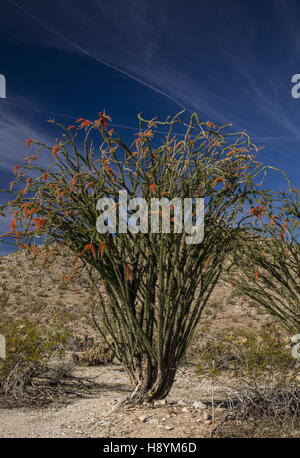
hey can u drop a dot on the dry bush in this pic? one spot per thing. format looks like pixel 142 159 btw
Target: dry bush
pixel 276 401
pixel 78 343
pixel 29 349
pixel 262 380
pixel 95 356
pixel 246 354
pixel 263 411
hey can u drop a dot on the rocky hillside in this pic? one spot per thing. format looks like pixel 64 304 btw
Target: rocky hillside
pixel 40 287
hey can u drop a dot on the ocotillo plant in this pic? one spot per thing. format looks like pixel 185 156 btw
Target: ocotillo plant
pixel 152 287
pixel 268 265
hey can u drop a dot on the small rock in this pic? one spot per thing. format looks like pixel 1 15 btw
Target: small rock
pixel 153 420
pixel 117 406
pixel 105 423
pixel 184 409
pixel 161 402
pixel 181 402
pixel 169 427
pixel 219 409
pixel 207 422
pixel 144 418
pixel 206 416
pixel 198 405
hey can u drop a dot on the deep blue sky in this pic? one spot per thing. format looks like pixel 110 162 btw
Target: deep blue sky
pixel 229 60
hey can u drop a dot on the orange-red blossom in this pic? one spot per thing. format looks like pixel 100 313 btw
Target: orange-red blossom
pixel 281 236
pixel 141 135
pixel 152 187
pixel 102 246
pixel 90 247
pixel 85 123
pixel 29 159
pixel 54 151
pixel 28 211
pixel 23 191
pixel 108 170
pixel 257 211
pixel 127 272
pixel 39 223
pixel 217 180
pixel 103 120
pixel 13 223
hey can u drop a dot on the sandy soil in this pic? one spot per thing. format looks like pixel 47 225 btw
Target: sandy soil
pixel 185 413
pixel 39 293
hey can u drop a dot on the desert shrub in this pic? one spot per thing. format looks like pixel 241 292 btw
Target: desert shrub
pixel 79 343
pixel 95 356
pixel 4 296
pixel 263 410
pixel 247 354
pixel 266 268
pixel 152 287
pixel 261 379
pixel 279 400
pixel 28 349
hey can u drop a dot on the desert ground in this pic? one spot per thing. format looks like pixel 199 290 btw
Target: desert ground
pixel 90 407
pixel 185 413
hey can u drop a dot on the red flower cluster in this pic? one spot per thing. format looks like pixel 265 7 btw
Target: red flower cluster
pixel 23 191
pixel 102 121
pixel 218 180
pixel 54 151
pixel 90 247
pixel 102 246
pixel 127 272
pixel 12 226
pixel 257 211
pixel 152 187
pixel 39 223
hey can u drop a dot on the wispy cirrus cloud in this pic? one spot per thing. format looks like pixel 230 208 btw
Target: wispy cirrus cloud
pixel 217 60
pixel 15 127
pixel 229 61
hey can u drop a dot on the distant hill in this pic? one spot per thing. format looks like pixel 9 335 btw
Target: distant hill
pixel 35 287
